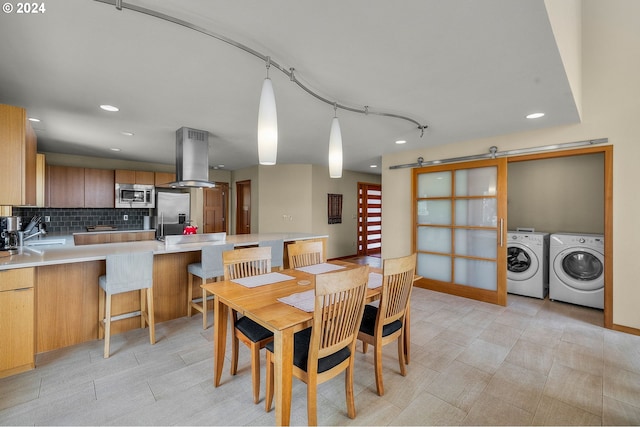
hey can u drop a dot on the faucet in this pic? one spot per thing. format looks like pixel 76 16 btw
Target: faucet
pixel 22 238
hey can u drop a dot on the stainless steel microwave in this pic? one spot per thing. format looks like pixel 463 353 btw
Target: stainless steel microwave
pixel 135 196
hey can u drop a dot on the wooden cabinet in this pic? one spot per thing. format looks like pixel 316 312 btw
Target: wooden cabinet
pixel 18 159
pixel 65 187
pixel 124 236
pixel 134 177
pixel 162 179
pixel 17 320
pixel 99 188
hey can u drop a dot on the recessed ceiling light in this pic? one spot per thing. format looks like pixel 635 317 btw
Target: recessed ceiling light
pixel 535 115
pixel 401 141
pixel 127 133
pixel 33 119
pixel 107 107
pixel 115 149
pixel 373 166
pixel 220 166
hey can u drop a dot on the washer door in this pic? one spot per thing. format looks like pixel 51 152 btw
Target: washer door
pixel 580 268
pixel 522 262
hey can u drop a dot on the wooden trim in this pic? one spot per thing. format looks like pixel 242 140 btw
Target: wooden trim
pixel 625 329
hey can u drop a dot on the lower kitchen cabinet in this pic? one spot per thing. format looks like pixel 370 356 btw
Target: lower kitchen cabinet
pixel 17 321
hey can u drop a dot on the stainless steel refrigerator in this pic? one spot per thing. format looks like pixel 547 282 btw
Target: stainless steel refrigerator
pixel 172 212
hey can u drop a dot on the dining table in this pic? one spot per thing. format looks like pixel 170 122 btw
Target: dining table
pixel 261 303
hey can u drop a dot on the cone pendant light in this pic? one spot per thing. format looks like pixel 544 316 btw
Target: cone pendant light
pixel 267 124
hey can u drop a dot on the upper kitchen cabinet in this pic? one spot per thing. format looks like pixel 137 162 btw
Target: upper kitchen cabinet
pixel 18 159
pixel 65 187
pixel 163 179
pixel 134 177
pixel 99 188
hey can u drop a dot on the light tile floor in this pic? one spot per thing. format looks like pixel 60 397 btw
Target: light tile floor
pixel 533 362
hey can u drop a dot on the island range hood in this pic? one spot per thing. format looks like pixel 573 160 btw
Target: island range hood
pixel 192 159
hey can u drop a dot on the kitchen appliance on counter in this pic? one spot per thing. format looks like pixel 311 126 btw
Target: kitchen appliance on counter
pixel 135 196
pixel 172 212
pixel 10 227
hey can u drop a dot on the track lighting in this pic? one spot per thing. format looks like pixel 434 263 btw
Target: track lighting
pixel 335 147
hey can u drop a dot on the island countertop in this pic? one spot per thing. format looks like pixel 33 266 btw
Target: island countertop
pixel 61 249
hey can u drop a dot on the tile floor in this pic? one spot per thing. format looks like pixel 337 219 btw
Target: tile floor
pixel 533 362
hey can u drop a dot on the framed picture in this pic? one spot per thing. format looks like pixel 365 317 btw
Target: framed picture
pixel 334 205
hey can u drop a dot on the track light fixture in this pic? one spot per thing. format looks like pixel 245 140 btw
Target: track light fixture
pixel 335 147
pixel 267 123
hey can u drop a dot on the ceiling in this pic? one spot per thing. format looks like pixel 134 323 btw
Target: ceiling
pixel 465 68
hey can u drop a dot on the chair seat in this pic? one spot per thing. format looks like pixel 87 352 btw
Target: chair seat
pixel 301 352
pixel 196 270
pixel 252 330
pixel 369 322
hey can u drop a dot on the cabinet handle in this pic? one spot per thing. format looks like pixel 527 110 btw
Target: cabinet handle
pixel 21 289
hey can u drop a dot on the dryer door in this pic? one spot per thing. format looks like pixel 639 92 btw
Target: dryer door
pixel 522 262
pixel 580 268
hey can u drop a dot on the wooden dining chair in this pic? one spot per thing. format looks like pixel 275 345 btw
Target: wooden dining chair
pixel 241 263
pixel 327 348
pixel 386 323
pixel 302 254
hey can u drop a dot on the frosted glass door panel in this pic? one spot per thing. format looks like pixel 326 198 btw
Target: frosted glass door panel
pixel 435 184
pixel 477 212
pixel 477 274
pixel 476 243
pixel 476 182
pixel 432 239
pixel 434 212
pixel 436 267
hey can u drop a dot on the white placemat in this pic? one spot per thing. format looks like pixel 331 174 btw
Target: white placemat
pixel 262 279
pixel 324 267
pixel 304 301
pixel 375 280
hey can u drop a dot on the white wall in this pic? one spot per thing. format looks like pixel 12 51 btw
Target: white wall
pixel 610 70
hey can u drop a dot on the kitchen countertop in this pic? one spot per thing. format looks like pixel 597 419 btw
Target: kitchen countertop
pixel 53 250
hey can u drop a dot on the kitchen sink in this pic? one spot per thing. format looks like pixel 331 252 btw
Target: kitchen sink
pixel 45 242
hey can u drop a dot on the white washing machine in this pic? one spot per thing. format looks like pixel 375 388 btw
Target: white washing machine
pixel 528 263
pixel 577 269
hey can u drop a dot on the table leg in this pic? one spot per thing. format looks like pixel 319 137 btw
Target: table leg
pixel 283 370
pixel 219 338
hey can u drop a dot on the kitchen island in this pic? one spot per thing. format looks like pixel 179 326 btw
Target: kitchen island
pixel 65 282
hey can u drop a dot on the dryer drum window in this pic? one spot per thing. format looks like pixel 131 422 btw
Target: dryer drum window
pixel 582 266
pixel 518 260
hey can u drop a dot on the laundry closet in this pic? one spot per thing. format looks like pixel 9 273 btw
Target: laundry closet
pixel 556 226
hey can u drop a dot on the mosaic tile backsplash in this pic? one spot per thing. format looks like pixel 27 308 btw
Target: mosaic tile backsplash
pixel 67 221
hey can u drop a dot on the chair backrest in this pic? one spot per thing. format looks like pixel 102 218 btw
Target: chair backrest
pixel 246 262
pixel 339 304
pixel 211 259
pixel 397 283
pixel 302 254
pixel 129 272
pixel 277 250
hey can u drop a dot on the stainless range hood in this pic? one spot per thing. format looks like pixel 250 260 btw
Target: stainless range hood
pixel 192 159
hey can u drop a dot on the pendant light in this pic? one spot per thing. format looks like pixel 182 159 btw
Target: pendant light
pixel 267 123
pixel 335 147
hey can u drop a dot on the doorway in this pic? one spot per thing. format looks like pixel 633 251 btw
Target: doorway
pixel 369 219
pixel 215 208
pixel 243 207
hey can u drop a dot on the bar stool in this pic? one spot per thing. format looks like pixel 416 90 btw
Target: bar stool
pixel 277 252
pixel 127 272
pixel 210 267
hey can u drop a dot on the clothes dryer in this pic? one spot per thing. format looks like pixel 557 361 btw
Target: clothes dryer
pixel 528 263
pixel 577 269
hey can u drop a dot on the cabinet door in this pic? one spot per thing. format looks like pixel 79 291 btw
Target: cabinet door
pixel 99 188
pixel 144 177
pixel 125 176
pixel 65 186
pixel 162 179
pixel 18 159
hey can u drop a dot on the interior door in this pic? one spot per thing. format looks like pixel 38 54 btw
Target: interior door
pixel 215 209
pixel 369 219
pixel 459 228
pixel 243 207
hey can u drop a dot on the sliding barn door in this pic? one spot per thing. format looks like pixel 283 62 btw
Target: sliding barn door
pixel 459 218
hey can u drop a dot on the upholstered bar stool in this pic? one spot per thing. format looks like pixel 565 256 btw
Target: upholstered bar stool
pixel 277 252
pixel 127 272
pixel 209 267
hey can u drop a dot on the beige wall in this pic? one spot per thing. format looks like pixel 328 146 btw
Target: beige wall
pixel 610 70
pixel 564 194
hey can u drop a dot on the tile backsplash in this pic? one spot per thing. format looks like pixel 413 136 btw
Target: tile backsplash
pixel 73 220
